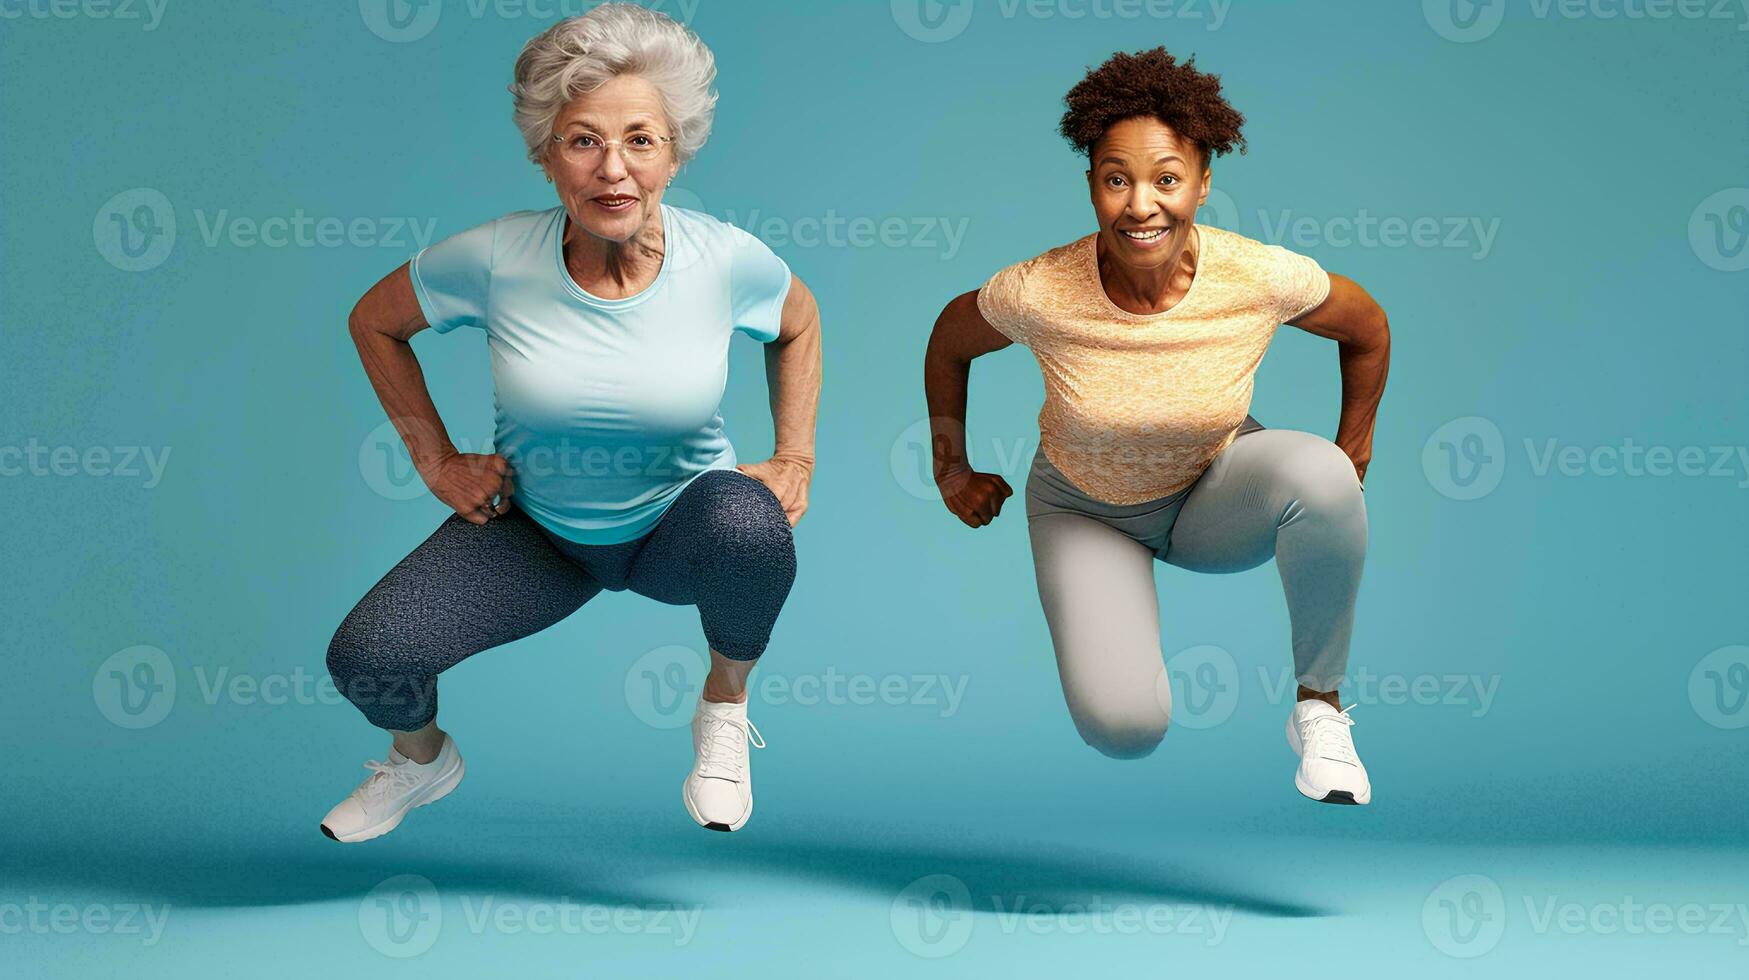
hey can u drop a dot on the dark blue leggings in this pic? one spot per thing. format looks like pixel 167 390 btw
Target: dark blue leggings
pixel 724 545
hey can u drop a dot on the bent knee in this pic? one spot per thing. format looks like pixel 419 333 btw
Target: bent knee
pixel 363 643
pixel 345 648
pixel 1323 477
pixel 746 527
pixel 1123 732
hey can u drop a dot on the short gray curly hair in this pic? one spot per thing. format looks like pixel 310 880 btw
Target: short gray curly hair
pixel 579 54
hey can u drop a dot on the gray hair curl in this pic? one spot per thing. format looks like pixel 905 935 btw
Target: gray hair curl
pixel 579 54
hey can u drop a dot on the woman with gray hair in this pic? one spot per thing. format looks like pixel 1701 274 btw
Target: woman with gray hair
pixel 608 320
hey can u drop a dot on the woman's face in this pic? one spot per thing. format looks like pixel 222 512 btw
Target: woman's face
pixel 1146 184
pixel 612 193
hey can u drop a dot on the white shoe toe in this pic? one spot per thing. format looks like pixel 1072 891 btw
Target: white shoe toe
pixel 716 801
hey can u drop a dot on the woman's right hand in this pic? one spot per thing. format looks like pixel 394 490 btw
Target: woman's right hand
pixel 975 498
pixel 467 482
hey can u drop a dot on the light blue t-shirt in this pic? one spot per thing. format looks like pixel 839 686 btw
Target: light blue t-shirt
pixel 605 408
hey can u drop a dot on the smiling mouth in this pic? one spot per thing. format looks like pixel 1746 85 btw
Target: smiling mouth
pixel 1144 234
pixel 615 202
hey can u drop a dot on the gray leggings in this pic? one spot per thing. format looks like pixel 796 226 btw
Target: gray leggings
pixel 1275 493
pixel 724 545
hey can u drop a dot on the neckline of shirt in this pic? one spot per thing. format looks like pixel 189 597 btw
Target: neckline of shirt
pixel 602 302
pixel 1110 306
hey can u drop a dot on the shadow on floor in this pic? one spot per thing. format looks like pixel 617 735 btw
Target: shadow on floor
pixel 600 861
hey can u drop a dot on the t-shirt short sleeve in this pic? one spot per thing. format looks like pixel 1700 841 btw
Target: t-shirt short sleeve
pixel 453 277
pixel 758 284
pixel 999 300
pixel 1301 284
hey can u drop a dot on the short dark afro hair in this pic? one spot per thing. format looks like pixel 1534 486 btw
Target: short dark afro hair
pixel 1153 83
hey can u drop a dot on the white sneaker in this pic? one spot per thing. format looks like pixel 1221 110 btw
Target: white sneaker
pixel 393 787
pixel 1330 771
pixel 719 791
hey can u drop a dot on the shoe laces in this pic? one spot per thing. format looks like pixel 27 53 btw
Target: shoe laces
pixel 1327 737
pixel 724 752
pixel 388 777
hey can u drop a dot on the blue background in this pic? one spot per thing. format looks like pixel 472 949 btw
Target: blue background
pixel 1607 767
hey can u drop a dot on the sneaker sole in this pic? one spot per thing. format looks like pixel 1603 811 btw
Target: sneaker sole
pixel 1341 796
pixel 440 788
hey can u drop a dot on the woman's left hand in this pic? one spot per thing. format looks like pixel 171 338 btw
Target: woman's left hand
pixel 787 477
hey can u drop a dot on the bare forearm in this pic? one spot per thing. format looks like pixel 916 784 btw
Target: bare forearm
pixel 399 382
pixel 945 382
pixel 1364 367
pixel 793 373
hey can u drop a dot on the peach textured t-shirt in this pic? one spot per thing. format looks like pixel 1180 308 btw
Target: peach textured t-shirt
pixel 1138 405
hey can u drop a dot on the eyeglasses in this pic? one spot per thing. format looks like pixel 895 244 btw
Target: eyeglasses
pixel 586 149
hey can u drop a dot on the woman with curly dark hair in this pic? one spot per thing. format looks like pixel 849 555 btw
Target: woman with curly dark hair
pixel 1148 333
